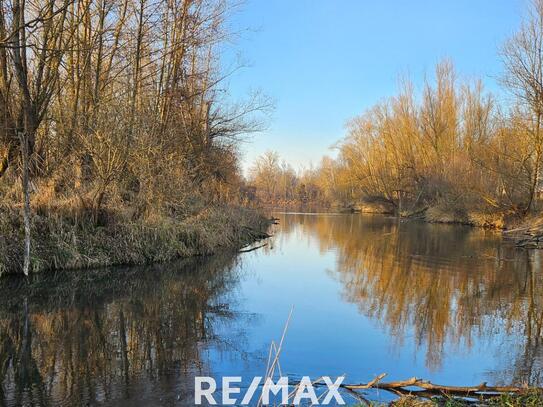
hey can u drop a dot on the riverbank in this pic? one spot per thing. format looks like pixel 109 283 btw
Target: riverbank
pixel 63 239
pixel 488 220
pixel 530 399
pixel 439 214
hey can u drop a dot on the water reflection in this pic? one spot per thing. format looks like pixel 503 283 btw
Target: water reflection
pixel 106 336
pixel 371 295
pixel 446 286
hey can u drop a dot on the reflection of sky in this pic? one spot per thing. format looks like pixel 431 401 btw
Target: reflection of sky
pixel 330 336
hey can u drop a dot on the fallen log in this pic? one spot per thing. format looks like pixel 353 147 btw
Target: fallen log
pixel 426 389
pixel 427 385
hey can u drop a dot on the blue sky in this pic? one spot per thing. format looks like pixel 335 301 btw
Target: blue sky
pixel 325 61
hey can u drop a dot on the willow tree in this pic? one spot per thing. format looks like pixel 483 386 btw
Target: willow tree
pixel 523 58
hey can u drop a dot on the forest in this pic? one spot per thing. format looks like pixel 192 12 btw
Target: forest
pixel 118 141
pixel 450 151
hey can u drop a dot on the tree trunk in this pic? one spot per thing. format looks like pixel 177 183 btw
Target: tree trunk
pixel 535 180
pixel 26 211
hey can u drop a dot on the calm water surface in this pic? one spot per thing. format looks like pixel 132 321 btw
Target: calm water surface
pixel 370 295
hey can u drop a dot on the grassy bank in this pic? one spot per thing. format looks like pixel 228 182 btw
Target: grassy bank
pixel 68 239
pixel 440 214
pixel 530 399
pixel 443 214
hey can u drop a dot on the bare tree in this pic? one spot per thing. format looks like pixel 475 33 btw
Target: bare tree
pixel 523 58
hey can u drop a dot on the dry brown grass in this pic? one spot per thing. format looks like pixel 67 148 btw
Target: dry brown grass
pixel 64 236
pixel 529 399
pixel 441 214
pixel 411 401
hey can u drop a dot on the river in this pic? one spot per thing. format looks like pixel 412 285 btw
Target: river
pixel 368 295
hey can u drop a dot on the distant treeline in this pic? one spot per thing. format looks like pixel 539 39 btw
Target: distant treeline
pixel 272 181
pixel 451 146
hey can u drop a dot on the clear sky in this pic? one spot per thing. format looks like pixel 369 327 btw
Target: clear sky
pixel 325 61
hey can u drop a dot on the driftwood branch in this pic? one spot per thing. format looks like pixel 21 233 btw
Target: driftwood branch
pixel 529 237
pixel 256 234
pixel 426 389
pixel 253 248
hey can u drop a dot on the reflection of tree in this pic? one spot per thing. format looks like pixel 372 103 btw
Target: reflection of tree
pixel 87 338
pixel 442 284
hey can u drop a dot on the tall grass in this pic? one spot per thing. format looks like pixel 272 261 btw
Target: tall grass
pixel 529 399
pixel 68 239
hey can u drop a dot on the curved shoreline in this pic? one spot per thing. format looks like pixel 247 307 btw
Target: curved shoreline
pixel 59 242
